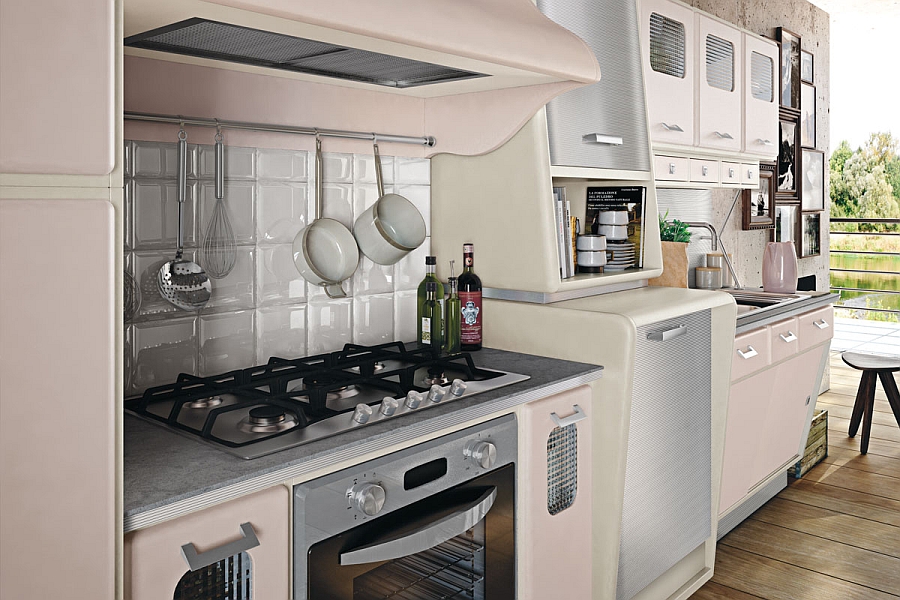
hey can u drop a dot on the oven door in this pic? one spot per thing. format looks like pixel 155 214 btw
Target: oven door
pixel 458 543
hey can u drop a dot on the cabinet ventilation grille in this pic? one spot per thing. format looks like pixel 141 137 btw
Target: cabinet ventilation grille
pixel 762 70
pixel 233 43
pixel 229 579
pixel 562 468
pixel 719 63
pixel 666 45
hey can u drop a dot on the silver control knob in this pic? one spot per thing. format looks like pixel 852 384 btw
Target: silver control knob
pixel 367 498
pixel 483 453
pixel 458 387
pixel 389 406
pixel 413 399
pixel 362 413
pixel 436 393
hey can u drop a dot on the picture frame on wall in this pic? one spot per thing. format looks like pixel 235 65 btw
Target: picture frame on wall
pixel 787 217
pixel 787 155
pixel 810 227
pixel 807 67
pixel 812 196
pixel 789 58
pixel 807 116
pixel 759 203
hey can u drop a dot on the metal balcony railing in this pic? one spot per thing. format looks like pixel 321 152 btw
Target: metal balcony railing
pixel 867 274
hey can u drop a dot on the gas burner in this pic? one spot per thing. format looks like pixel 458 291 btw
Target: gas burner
pixel 325 380
pixel 204 402
pixel 435 376
pixel 267 419
pixel 379 366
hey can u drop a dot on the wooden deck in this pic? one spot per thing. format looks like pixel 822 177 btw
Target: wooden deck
pixel 835 533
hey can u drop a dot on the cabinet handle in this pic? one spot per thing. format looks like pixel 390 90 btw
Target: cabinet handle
pixel 196 560
pixel 578 415
pixel 764 142
pixel 672 127
pixel 599 138
pixel 823 324
pixel 790 337
pixel 749 173
pixel 667 334
pixel 724 136
pixel 750 353
pixel 704 170
pixel 731 172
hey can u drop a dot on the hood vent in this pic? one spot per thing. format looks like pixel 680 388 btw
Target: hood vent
pixel 233 43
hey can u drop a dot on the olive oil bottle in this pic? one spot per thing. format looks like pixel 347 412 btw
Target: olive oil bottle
pixel 431 321
pixel 430 265
pixel 451 320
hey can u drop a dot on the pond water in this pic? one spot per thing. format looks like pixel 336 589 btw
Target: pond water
pixel 875 281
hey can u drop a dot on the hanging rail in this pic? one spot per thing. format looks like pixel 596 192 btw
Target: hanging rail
pixel 267 127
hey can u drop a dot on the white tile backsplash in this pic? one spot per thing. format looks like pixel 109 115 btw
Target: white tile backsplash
pixel 264 307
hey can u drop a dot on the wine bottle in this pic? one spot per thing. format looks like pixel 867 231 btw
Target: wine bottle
pixel 451 320
pixel 470 300
pixel 430 263
pixel 431 321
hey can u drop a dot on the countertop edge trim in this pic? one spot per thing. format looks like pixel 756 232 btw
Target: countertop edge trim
pixel 793 309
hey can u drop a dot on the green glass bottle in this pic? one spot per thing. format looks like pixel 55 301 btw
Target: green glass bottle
pixel 431 321
pixel 430 265
pixel 451 323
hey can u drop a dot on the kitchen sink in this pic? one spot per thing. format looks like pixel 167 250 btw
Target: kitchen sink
pixel 757 300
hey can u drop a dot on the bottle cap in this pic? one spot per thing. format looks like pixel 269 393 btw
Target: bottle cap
pixel 431 286
pixel 468 247
pixel 431 260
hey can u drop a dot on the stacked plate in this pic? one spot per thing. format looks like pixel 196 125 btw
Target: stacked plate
pixel 620 256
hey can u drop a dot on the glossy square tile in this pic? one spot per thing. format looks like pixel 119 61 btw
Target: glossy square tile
pixel 420 196
pixel 365 195
pixel 227 342
pixel 128 159
pixel 405 316
pixel 277 278
pixel 282 164
pixel 338 168
pixel 337 203
pixel 240 199
pixel 330 324
pixel 235 290
pixel 162 350
pixel 160 160
pixel 155 213
pixel 410 271
pixel 280 211
pixel 240 163
pixel 318 292
pixel 371 278
pixel 280 331
pixel 128 359
pixel 146 265
pixel 412 171
pixel 364 168
pixel 128 216
pixel 373 319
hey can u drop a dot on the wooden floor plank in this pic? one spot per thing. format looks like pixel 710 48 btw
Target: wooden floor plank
pixel 840 439
pixel 851 479
pixel 843 412
pixel 863 567
pixel 715 591
pixel 849 502
pixel 775 580
pixel 838 398
pixel 870 463
pixel 889 433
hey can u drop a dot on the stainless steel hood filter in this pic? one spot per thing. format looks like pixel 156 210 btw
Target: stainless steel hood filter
pixel 233 43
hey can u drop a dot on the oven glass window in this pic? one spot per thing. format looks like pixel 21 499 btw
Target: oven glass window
pixel 228 579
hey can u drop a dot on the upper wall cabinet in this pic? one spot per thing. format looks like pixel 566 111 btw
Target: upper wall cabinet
pixel 760 96
pixel 719 85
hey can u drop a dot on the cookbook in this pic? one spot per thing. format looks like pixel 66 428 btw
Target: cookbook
pixel 630 200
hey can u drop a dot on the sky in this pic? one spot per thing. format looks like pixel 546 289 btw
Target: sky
pixel 865 68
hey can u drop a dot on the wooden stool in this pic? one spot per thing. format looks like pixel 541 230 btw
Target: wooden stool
pixel 872 366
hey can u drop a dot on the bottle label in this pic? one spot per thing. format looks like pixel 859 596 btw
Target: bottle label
pixel 470 312
pixel 426 330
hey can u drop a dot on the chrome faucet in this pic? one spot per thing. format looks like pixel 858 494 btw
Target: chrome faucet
pixel 716 242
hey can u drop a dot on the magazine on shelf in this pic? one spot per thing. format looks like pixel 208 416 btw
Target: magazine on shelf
pixel 560 235
pixel 570 236
pixel 630 199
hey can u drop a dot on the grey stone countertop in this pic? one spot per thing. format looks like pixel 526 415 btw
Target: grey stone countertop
pixel 167 474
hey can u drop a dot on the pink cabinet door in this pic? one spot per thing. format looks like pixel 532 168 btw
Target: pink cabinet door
pixel 156 559
pixel 57 86
pixel 58 399
pixel 760 97
pixel 719 85
pixel 554 487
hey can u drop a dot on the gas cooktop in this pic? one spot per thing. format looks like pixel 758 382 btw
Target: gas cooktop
pixel 288 402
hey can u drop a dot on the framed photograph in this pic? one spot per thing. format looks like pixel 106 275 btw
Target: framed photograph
pixel 789 57
pixel 787 156
pixel 786 221
pixel 811 224
pixel 807 116
pixel 759 204
pixel 812 196
pixel 806 67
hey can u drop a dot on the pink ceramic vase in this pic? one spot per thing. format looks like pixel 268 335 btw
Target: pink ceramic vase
pixel 779 268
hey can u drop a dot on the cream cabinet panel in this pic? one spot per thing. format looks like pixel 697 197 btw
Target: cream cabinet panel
pixel 731 172
pixel 667 44
pixel 671 168
pixel 760 97
pixel 719 85
pixel 706 171
pixel 750 174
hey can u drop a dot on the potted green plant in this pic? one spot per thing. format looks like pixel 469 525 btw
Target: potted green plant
pixel 674 237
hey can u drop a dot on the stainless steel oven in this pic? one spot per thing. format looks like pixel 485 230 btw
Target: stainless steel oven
pixel 433 521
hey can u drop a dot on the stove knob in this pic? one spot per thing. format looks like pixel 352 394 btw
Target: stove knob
pixel 367 498
pixel 362 413
pixel 436 393
pixel 413 399
pixel 483 453
pixel 389 406
pixel 458 387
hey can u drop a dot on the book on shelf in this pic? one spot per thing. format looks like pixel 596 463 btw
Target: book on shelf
pixel 565 236
pixel 570 239
pixel 630 199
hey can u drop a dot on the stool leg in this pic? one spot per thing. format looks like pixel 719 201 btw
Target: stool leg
pixel 866 382
pixel 867 417
pixel 890 390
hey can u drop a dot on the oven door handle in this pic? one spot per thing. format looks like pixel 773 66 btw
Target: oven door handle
pixel 198 560
pixel 426 537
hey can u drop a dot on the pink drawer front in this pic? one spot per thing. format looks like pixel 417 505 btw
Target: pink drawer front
pixel 816 327
pixel 751 353
pixel 784 339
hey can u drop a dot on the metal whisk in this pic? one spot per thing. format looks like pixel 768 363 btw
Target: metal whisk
pixel 218 252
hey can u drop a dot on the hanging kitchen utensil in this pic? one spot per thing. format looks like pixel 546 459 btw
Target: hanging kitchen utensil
pixel 325 252
pixel 183 283
pixel 131 300
pixel 392 227
pixel 218 251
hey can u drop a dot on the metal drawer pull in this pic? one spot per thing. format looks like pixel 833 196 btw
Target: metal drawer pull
pixel 704 170
pixel 671 168
pixel 578 415
pixel 672 127
pixel 749 173
pixel 426 537
pixel 599 138
pixel 731 172
pixel 667 334
pixel 790 337
pixel 750 353
pixel 724 136
pixel 764 142
pixel 823 324
pixel 196 560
